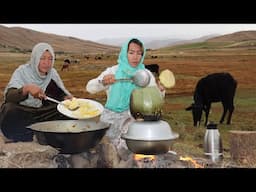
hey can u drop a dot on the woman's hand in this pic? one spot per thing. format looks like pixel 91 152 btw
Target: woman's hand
pixel 33 90
pixel 108 79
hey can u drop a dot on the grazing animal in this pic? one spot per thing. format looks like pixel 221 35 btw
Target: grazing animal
pixel 216 87
pixel 65 64
pixel 154 68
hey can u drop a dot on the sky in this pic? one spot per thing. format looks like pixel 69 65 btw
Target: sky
pixel 96 32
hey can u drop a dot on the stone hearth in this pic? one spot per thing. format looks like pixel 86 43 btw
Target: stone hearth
pixel 104 155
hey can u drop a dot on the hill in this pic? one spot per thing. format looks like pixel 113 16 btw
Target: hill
pixel 238 40
pixel 235 37
pixel 155 42
pixel 17 39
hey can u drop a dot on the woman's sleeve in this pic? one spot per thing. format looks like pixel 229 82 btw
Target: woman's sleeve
pixel 95 85
pixel 14 95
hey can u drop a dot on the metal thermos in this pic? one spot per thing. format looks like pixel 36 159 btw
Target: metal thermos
pixel 212 143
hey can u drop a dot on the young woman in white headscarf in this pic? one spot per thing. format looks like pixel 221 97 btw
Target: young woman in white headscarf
pixel 117 112
pixel 24 102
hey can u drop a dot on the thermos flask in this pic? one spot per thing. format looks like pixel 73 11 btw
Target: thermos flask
pixel 212 143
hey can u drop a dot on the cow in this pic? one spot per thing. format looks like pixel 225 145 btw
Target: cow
pixel 216 87
pixel 154 68
pixel 65 64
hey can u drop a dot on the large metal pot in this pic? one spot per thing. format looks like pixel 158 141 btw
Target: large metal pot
pixel 70 136
pixel 149 137
pixel 148 147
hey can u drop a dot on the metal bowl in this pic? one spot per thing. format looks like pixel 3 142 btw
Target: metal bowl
pixel 141 78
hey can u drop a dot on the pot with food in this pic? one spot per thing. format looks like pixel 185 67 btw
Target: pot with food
pixel 70 136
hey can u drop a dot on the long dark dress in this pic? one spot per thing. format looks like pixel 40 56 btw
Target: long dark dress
pixel 15 117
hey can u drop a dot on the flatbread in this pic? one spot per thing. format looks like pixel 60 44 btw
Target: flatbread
pixel 167 78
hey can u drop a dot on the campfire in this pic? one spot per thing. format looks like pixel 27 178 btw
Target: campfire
pixel 190 159
pixel 161 161
pixel 145 161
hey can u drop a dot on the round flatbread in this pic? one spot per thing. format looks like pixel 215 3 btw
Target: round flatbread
pixel 167 78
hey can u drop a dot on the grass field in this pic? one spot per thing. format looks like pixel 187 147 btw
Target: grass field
pixel 188 66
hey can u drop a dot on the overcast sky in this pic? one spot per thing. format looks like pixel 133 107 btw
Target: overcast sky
pixel 96 32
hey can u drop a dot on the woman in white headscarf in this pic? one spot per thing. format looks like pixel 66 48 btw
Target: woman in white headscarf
pixel 23 95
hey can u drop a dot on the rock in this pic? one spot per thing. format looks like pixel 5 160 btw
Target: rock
pixel 26 155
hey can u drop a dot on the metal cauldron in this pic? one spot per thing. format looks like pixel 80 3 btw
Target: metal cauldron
pixel 149 137
pixel 70 136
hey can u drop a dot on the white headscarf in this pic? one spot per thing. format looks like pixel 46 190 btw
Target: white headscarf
pixel 29 73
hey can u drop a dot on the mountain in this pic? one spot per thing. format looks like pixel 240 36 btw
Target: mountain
pixel 235 37
pixel 120 40
pixel 22 39
pixel 240 40
pixel 149 42
pixel 154 42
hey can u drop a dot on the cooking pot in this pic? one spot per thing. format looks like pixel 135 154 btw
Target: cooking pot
pixel 70 136
pixel 149 137
pixel 146 103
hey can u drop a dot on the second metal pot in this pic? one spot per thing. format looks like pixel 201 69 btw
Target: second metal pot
pixel 148 147
pixel 149 137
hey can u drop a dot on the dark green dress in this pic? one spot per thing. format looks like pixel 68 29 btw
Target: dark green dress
pixel 15 117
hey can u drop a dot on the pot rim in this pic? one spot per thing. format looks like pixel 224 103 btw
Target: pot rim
pixel 67 132
pixel 39 126
pixel 127 137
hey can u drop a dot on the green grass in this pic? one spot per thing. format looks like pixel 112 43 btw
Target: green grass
pixel 191 138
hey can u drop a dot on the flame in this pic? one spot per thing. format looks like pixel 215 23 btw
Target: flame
pixel 138 157
pixel 196 165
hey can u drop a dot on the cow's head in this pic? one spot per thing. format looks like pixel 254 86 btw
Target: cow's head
pixel 197 110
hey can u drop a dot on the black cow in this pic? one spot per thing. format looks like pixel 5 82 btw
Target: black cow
pixel 154 68
pixel 216 87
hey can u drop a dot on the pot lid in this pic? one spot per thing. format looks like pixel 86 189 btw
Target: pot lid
pixel 150 131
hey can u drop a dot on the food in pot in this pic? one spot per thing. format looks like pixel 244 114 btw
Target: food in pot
pixel 166 78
